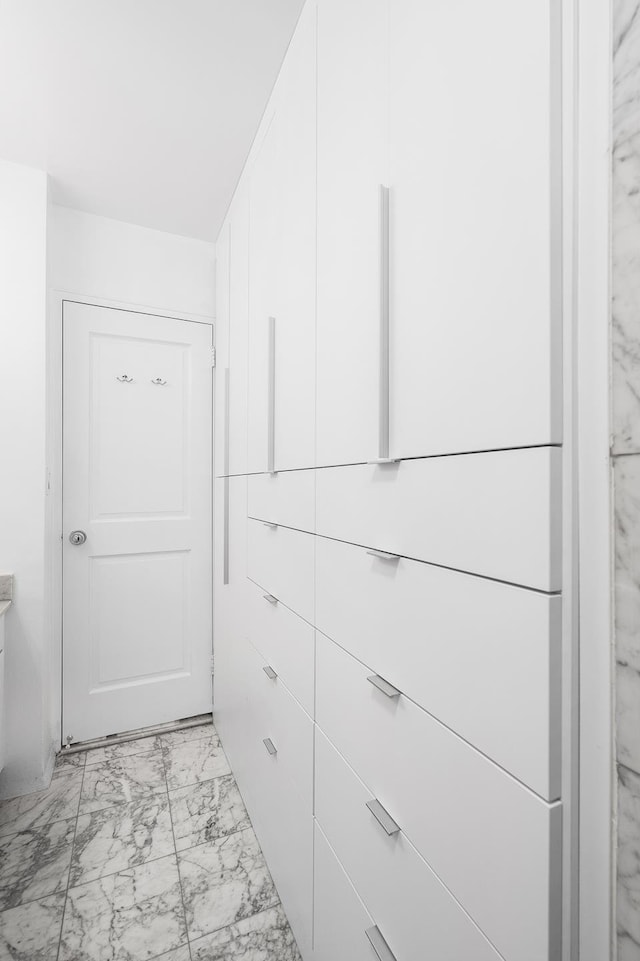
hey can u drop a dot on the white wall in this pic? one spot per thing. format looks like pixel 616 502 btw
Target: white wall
pixel 23 227
pixel 134 265
pixel 106 261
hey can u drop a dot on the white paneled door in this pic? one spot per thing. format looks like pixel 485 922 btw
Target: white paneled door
pixel 138 485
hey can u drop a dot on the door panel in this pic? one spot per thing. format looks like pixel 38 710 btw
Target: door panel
pixel 475 320
pixel 352 163
pixel 137 480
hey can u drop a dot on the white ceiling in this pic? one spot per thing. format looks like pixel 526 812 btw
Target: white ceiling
pixel 141 110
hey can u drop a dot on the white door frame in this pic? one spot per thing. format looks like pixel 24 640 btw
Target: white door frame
pixel 53 481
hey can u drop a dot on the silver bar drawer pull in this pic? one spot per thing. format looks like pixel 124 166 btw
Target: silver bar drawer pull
pixel 271 396
pixel 384 686
pixel 383 817
pixel 270 524
pixel 270 746
pixel 383 555
pixel 379 945
pixel 269 671
pixel 270 598
pixel 383 435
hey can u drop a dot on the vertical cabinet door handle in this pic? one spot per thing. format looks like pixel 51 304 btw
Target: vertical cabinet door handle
pixel 270 746
pixel 383 399
pixel 271 397
pixel 384 686
pixel 269 671
pixel 383 817
pixel 225 531
pixel 379 945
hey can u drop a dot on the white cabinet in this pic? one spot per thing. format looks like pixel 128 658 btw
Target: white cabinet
pixel 236 388
pixel 287 498
pixel 352 164
pixel 416 914
pixel 282 255
pixel 475 296
pixel 281 562
pixel 477 827
pixel 497 514
pixel 482 657
pixel 295 317
pixel 221 431
pixel 263 287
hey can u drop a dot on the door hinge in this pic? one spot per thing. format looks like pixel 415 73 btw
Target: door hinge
pixel 213 357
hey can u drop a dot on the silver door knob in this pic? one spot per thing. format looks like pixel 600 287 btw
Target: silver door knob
pixel 77 537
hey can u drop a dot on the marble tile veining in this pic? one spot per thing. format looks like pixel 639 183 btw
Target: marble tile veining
pixel 132 916
pixel 35 863
pixel 58 803
pixel 262 937
pixel 31 932
pixel 626 228
pixel 112 752
pixel 188 734
pixel 193 762
pixel 223 882
pixel 628 886
pixel 6 587
pixel 134 870
pixel 121 780
pixel 207 810
pixel 121 837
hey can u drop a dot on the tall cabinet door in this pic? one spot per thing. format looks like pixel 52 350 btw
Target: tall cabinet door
pixel 264 196
pixel 295 317
pixel 238 331
pixel 474 175
pixel 221 431
pixel 352 166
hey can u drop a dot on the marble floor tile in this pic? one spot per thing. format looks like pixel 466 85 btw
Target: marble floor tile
pixel 58 803
pixel 131 916
pixel 224 882
pixel 65 761
pixel 188 734
pixel 121 837
pixel 141 745
pixel 31 932
pixel 208 810
pixel 193 762
pixel 35 863
pixel 122 780
pixel 180 954
pixel 262 937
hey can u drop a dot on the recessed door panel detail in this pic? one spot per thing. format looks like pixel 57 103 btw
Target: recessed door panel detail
pixel 143 634
pixel 139 429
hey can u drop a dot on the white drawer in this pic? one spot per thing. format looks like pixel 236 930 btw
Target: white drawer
pixel 287 498
pixel 483 657
pixel 281 561
pixel 281 719
pixel 478 828
pixel 286 642
pixel 340 919
pixel 495 514
pixel 418 917
pixel 277 790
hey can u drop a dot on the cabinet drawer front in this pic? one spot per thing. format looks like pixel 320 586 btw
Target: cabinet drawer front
pixel 286 642
pixel 481 656
pixel 340 919
pixel 287 498
pixel 289 729
pixel 477 827
pixel 414 911
pixel 281 561
pixel 494 514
